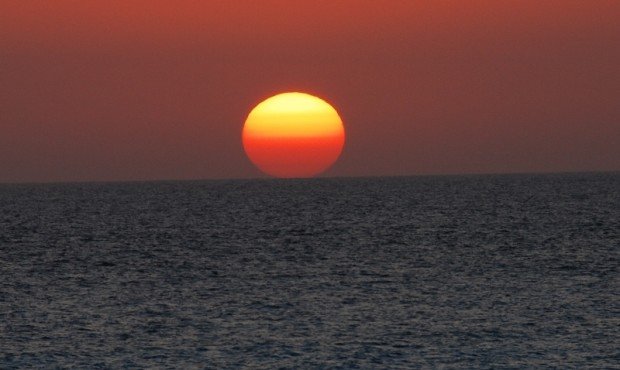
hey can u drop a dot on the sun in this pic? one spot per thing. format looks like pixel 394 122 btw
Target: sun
pixel 293 134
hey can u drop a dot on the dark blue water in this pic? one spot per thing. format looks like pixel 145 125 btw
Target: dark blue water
pixel 471 271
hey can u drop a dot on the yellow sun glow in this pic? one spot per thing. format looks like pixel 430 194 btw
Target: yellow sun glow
pixel 293 115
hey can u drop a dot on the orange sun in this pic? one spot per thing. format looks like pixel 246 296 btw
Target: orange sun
pixel 293 135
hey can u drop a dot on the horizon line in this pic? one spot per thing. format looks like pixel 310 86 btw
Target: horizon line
pixel 269 178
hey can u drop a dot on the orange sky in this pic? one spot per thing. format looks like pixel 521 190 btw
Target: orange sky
pixel 127 90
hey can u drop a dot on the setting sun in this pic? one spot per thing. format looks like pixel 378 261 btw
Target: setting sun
pixel 293 135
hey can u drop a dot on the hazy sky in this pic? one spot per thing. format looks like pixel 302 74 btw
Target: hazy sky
pixel 127 90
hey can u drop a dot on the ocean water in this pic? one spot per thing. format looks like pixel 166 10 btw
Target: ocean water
pixel 513 271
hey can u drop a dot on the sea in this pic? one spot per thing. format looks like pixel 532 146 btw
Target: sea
pixel 477 271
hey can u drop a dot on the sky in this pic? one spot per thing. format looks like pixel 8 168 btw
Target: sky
pixel 146 90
